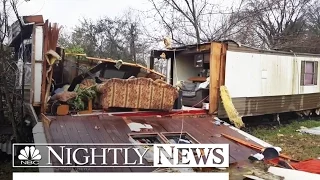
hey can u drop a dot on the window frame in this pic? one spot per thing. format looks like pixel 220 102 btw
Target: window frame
pixel 190 137
pixel 163 138
pixel 146 135
pixel 314 73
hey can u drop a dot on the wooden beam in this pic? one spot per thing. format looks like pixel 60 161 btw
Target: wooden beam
pixel 127 64
pixel 223 64
pixel 204 47
pixel 44 67
pixel 215 67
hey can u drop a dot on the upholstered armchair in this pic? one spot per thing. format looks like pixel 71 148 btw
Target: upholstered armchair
pixel 138 93
pixel 192 94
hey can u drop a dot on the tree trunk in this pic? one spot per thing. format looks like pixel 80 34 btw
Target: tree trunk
pixel 197 34
pixel 132 43
pixel 2 117
pixel 196 28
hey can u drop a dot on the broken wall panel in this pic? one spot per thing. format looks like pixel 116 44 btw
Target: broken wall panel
pixel 37 64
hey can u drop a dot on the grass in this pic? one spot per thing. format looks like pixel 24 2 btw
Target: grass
pixel 299 146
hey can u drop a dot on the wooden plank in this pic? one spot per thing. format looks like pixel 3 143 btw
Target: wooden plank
pixel 116 138
pixel 170 127
pixel 46 126
pixel 72 132
pixel 56 132
pixel 238 152
pixel 85 136
pixel 82 130
pixel 124 130
pixel 103 136
pixel 205 131
pixel 71 129
pixel 223 64
pixel 212 134
pixel 95 134
pixel 57 137
pixel 198 132
pixel 203 136
pixel 127 64
pixel 215 60
pixel 64 131
pixel 197 79
pixel 66 137
pixel 204 47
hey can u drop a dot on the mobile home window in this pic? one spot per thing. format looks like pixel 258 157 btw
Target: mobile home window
pixel 309 73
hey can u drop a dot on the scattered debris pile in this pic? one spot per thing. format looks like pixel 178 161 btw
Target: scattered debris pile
pixel 281 164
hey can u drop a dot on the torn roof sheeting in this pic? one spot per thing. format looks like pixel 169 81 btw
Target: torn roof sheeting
pixel 27 22
pixel 112 129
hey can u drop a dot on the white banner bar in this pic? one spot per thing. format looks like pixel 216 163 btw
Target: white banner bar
pixel 86 176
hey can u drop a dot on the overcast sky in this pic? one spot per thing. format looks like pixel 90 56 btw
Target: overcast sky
pixel 68 12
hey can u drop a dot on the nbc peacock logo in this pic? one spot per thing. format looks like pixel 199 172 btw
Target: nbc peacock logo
pixel 29 156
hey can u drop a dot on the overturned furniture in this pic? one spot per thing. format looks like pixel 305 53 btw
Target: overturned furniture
pixel 137 93
pixel 193 94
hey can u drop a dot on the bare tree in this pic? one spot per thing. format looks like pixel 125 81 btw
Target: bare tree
pixel 311 42
pixel 200 20
pixel 314 18
pixel 5 90
pixel 3 33
pixel 275 22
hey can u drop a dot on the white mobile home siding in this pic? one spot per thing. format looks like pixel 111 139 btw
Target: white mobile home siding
pixel 37 60
pixel 256 74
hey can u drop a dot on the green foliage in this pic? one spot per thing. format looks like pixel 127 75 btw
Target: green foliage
pixel 75 49
pixel 83 95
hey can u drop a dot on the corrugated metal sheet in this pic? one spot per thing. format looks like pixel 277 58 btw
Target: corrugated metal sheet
pixel 253 106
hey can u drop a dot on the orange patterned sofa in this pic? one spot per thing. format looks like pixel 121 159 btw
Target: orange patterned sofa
pixel 138 93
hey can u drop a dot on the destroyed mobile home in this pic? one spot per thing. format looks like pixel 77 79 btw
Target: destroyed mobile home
pixel 71 98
